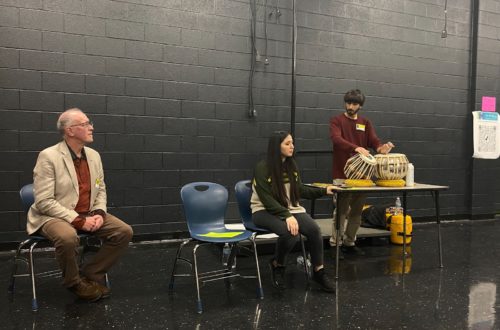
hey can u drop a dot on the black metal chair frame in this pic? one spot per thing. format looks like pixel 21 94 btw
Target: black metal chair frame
pixel 28 247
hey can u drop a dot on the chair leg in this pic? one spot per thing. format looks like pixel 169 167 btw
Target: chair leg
pixel 34 302
pixel 304 255
pixel 232 256
pixel 12 285
pixel 174 268
pixel 260 291
pixel 198 301
pixel 107 283
pixel 86 247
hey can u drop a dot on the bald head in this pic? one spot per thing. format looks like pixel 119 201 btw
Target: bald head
pixel 66 119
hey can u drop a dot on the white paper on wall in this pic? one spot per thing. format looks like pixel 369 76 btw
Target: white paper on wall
pixel 486 135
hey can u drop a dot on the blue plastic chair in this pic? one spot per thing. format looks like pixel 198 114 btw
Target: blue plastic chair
pixel 27 198
pixel 243 190
pixel 205 206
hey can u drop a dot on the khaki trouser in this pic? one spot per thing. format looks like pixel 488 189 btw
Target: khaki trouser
pixel 351 206
pixel 114 234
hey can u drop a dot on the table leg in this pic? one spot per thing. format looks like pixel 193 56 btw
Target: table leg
pixel 337 228
pixel 404 233
pixel 404 222
pixel 436 202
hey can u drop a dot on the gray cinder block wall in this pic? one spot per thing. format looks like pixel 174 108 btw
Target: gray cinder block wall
pixel 166 84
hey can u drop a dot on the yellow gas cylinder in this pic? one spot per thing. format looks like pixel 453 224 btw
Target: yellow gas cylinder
pixel 395 223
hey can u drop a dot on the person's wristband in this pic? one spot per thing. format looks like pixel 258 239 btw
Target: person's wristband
pixel 99 212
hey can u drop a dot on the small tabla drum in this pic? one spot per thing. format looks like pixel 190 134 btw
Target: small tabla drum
pixel 391 166
pixel 360 167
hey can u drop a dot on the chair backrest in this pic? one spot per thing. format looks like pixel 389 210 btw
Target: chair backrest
pixel 205 206
pixel 243 190
pixel 27 196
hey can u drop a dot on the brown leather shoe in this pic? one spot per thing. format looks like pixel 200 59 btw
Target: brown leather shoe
pixel 86 291
pixel 105 291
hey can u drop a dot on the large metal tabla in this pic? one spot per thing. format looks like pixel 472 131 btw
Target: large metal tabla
pixel 360 167
pixel 391 166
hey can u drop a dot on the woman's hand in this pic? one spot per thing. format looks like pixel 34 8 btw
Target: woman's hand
pixel 292 225
pixel 330 190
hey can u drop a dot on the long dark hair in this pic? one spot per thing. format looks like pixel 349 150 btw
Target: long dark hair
pixel 276 168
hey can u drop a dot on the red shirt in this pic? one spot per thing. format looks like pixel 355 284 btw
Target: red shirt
pixel 347 134
pixel 83 175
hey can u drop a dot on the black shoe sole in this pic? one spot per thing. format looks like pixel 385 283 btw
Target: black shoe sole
pixel 88 300
pixel 323 288
pixel 347 252
pixel 327 290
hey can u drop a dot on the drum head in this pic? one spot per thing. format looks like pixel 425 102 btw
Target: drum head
pixel 389 155
pixel 368 159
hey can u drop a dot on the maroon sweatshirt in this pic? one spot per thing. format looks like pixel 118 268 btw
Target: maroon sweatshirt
pixel 347 134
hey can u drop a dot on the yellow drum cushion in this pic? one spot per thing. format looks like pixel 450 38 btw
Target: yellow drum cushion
pixel 391 183
pixel 359 183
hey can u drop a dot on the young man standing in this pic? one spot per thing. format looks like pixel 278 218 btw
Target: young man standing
pixel 350 134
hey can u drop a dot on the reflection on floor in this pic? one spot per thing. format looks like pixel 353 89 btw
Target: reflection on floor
pixel 372 292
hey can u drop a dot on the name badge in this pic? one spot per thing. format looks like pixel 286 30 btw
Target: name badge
pixel 360 127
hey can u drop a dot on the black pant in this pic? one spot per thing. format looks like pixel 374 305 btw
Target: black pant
pixel 286 241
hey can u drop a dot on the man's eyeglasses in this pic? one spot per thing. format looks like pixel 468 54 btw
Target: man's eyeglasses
pixel 85 124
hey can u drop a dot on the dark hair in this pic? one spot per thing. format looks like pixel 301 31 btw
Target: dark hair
pixel 277 168
pixel 354 96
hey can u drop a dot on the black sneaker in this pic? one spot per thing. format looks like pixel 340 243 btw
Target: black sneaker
pixel 324 282
pixel 333 253
pixel 277 275
pixel 352 250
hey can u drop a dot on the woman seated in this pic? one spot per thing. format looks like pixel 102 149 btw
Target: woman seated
pixel 277 189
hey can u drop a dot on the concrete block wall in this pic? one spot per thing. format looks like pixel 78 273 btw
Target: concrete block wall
pixel 486 184
pixel 166 84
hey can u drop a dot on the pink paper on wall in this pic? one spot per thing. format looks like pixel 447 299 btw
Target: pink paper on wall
pixel 489 103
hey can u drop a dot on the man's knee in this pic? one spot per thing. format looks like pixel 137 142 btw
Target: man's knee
pixel 67 241
pixel 125 233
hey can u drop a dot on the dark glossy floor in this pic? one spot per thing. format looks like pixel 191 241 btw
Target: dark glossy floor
pixel 372 293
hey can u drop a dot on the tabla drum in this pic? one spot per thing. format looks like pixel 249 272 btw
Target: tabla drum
pixel 391 166
pixel 360 167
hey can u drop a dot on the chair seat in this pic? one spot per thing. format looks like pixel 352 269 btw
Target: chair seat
pixel 258 230
pixel 43 238
pixel 37 238
pixel 221 236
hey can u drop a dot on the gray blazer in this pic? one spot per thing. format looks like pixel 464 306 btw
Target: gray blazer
pixel 56 186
